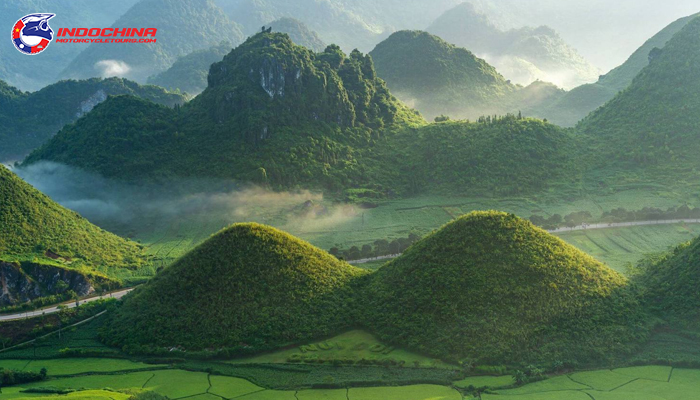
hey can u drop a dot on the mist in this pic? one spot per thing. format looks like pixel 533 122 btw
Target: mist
pixel 606 33
pixel 126 208
pixel 110 68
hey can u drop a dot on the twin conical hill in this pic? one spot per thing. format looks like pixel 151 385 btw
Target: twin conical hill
pixel 492 287
pixel 248 287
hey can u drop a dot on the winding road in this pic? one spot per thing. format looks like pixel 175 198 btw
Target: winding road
pixel 571 229
pixel 55 309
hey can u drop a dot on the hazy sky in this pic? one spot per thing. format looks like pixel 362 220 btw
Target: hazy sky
pixel 605 32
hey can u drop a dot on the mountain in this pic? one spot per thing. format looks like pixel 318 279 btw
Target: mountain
pixel 189 73
pixel 670 285
pixel 523 55
pixel 493 288
pixel 30 119
pixel 248 288
pixel 183 27
pixel 502 156
pixel 299 33
pixel 273 112
pixel 438 78
pixel 42 243
pixel 580 101
pixel 351 24
pixel 651 127
pixel 33 73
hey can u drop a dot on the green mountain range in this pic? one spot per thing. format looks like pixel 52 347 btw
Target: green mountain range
pixel 274 113
pixel 580 101
pixel 523 55
pixel 30 119
pixel 438 78
pixel 183 27
pixel 650 127
pixel 248 288
pixel 491 287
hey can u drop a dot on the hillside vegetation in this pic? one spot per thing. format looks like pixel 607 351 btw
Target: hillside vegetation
pixel 247 288
pixel 33 226
pixel 491 287
pixel 580 101
pixel 650 128
pixel 671 284
pixel 30 119
pixel 501 156
pixel 183 27
pixel 298 118
pixel 438 78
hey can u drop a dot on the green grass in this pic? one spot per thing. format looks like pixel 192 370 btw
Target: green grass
pixel 114 381
pixel 485 381
pixel 82 395
pixel 72 366
pixel 548 385
pixel 556 395
pixel 685 376
pixel 321 394
pixel 651 372
pixel 619 246
pixel 413 392
pixel 271 395
pixel 601 380
pixel 177 383
pixel 354 345
pixel 229 387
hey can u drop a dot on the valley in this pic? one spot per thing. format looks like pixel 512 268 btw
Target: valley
pixel 351 200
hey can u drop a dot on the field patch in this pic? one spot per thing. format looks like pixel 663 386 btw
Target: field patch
pixel 178 383
pixel 113 381
pixel 348 348
pixel 413 392
pixel 560 383
pixel 650 372
pixel 321 394
pixel 229 387
pixel 555 395
pixel 72 366
pixel 602 379
pixel 485 381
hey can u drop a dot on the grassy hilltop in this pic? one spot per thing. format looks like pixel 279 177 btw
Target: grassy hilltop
pixel 249 287
pixel 492 287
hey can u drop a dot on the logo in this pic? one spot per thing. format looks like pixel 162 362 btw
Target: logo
pixel 32 33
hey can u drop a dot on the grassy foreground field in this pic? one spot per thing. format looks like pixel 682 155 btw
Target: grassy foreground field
pixel 644 383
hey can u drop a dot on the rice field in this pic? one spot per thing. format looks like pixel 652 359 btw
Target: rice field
pixel 104 380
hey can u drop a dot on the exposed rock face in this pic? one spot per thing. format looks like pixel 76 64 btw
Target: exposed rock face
pixel 90 103
pixel 27 281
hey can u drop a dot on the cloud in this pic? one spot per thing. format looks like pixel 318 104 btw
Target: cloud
pixel 109 68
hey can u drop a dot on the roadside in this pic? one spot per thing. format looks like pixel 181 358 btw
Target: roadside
pixel 57 308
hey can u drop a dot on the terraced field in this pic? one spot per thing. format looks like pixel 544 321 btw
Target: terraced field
pixel 643 383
